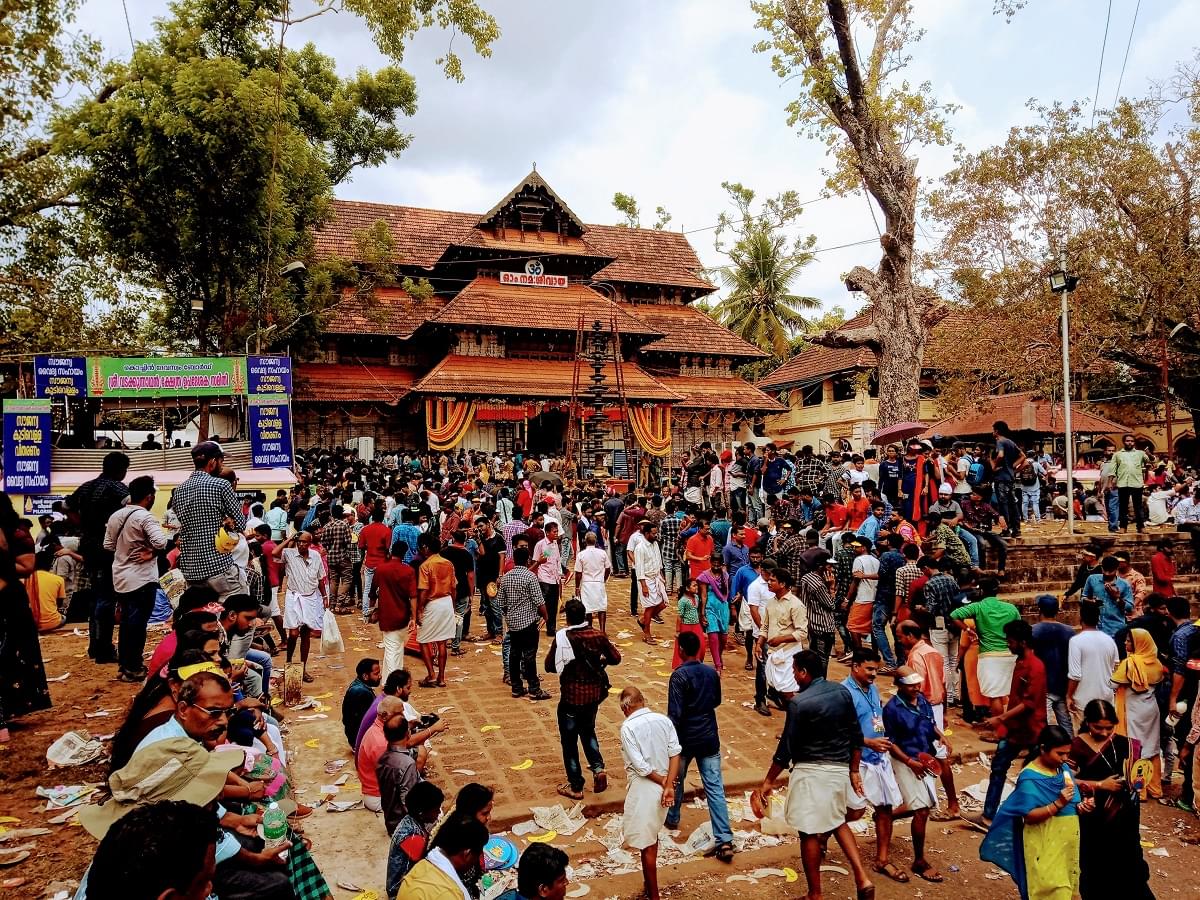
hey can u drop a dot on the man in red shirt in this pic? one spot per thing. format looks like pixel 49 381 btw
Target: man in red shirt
pixel 374 540
pixel 699 549
pixel 858 507
pixel 271 571
pixel 1018 726
pixel 1162 568
pixel 391 593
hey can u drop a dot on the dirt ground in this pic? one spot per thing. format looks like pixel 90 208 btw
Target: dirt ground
pixel 351 847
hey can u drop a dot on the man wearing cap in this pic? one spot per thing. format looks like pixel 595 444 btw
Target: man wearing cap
pixel 924 659
pixel 913 735
pixel 822 746
pixel 204 504
pixel 878 778
pixel 179 769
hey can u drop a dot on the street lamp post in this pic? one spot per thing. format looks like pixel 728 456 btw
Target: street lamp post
pixel 1063 284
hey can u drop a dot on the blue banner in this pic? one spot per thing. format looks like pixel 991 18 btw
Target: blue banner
pixel 269 374
pixel 270 433
pixel 60 376
pixel 27 446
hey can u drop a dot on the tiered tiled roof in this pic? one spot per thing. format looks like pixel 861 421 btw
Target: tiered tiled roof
pixel 482 376
pixel 725 393
pixel 690 330
pixel 1023 412
pixel 647 256
pixel 534 242
pixel 392 311
pixel 419 236
pixel 352 382
pixel 485 301
pixel 820 362
pixel 422 236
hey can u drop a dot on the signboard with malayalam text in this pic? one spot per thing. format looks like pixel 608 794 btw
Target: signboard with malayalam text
pixel 27 446
pixel 60 376
pixel 269 375
pixel 184 376
pixel 534 276
pixel 270 424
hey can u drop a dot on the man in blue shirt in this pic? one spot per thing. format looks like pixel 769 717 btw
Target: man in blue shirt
pixel 879 781
pixel 908 719
pixel 693 697
pixel 408 532
pixel 885 594
pixel 872 523
pixel 1050 644
pixel 775 472
pixel 1112 593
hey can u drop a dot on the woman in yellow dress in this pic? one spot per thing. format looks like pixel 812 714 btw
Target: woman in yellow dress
pixel 1135 679
pixel 1035 835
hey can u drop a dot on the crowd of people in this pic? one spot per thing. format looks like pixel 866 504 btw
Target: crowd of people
pixel 766 559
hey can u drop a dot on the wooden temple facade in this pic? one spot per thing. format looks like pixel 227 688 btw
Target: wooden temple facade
pixel 487 360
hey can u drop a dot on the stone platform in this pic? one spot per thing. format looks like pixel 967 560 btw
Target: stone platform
pixel 1043 561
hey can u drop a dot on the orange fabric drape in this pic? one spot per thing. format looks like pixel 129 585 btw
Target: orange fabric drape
pixel 447 421
pixel 652 428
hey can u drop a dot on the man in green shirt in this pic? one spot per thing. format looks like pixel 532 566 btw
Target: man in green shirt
pixel 996 662
pixel 1130 470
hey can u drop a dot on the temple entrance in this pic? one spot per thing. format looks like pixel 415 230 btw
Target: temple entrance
pixel 547 432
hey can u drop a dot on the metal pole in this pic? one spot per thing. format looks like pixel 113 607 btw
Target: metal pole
pixel 1069 442
pixel 1166 388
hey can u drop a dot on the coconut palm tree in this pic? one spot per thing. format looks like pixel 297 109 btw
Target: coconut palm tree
pixel 759 307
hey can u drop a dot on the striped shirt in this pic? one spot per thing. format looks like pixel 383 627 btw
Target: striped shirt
pixel 668 538
pixel 820 603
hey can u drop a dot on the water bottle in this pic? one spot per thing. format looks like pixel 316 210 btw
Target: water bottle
pixel 274 827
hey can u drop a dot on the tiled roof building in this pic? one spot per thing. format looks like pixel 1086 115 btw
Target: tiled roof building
pixel 496 337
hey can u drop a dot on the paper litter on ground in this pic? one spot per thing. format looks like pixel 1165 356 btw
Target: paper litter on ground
pixel 978 791
pixel 556 818
pixel 62 796
pixel 343 805
pixel 74 748
pixel 335 765
pixel 16 834
pixel 63 677
pixel 529 826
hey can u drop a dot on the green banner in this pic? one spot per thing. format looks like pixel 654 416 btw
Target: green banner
pixel 183 376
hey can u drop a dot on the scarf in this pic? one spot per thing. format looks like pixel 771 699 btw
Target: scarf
pixel 1141 669
pixel 438 858
pixel 563 651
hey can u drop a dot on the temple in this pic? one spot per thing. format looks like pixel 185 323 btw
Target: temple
pixel 482 352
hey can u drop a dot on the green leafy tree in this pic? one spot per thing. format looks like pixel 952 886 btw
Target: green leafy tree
pixel 56 291
pixel 848 56
pixel 213 160
pixel 627 206
pixel 764 263
pixel 1118 198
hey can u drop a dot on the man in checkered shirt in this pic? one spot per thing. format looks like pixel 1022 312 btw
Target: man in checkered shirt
pixel 205 503
pixel 524 608
pixel 668 542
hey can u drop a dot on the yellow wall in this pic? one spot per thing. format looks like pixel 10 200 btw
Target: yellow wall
pixel 821 425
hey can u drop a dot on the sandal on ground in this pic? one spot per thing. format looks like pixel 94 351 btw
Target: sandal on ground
pixel 440 684
pixel 600 784
pixel 927 872
pixel 308 679
pixel 649 640
pixel 942 815
pixel 566 790
pixel 865 893
pixel 724 852
pixel 890 870
pixel 427 683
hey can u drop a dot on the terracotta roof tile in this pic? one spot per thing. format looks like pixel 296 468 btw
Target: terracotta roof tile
pixel 391 312
pixel 482 376
pixel 818 362
pixel 352 382
pixel 690 330
pixel 535 242
pixel 487 301
pixel 1023 412
pixel 420 236
pixel 647 256
pixel 728 392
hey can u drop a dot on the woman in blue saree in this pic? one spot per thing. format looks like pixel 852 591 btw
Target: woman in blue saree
pixel 1035 835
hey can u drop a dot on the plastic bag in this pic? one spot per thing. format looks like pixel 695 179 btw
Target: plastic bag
pixel 331 635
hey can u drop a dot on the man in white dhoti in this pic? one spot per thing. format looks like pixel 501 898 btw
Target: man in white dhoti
pixel 783 634
pixel 592 569
pixel 307 597
pixel 652 583
pixel 650 748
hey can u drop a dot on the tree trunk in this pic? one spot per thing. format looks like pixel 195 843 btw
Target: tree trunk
pixel 902 348
pixel 203 420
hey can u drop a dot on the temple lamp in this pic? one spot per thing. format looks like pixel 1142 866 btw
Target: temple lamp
pixel 1063 283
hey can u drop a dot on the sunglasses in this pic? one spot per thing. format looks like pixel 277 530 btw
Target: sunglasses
pixel 217 711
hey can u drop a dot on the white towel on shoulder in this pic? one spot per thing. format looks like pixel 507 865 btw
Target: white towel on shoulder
pixel 563 653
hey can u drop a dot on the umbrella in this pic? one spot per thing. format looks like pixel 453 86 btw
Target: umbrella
pixel 898 432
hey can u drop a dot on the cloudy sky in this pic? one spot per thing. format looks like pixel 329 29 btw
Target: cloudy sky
pixel 664 99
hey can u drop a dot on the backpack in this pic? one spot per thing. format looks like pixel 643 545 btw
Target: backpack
pixel 1028 475
pixel 977 473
